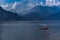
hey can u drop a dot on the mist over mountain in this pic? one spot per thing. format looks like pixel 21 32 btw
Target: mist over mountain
pixel 18 7
pixel 22 6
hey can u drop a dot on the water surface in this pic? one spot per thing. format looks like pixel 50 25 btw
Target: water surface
pixel 30 30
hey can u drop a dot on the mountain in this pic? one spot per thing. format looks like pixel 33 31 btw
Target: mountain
pixel 45 10
pixel 43 13
pixel 6 15
pixel 55 16
pixel 23 6
pixel 18 7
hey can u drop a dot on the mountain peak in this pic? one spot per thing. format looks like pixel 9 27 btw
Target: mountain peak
pixel 1 7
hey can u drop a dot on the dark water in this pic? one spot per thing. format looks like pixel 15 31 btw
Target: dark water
pixel 30 30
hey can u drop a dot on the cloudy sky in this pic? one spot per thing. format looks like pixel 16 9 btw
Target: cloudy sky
pixel 12 1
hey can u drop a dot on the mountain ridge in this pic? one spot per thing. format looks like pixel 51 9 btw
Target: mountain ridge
pixel 43 13
pixel 8 16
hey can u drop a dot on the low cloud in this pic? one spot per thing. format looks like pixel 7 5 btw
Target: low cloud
pixel 14 5
pixel 52 2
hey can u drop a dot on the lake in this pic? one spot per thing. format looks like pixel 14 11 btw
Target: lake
pixel 29 30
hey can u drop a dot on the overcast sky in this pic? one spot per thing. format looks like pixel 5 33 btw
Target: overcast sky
pixel 12 1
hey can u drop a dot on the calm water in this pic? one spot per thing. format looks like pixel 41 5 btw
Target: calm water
pixel 29 30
